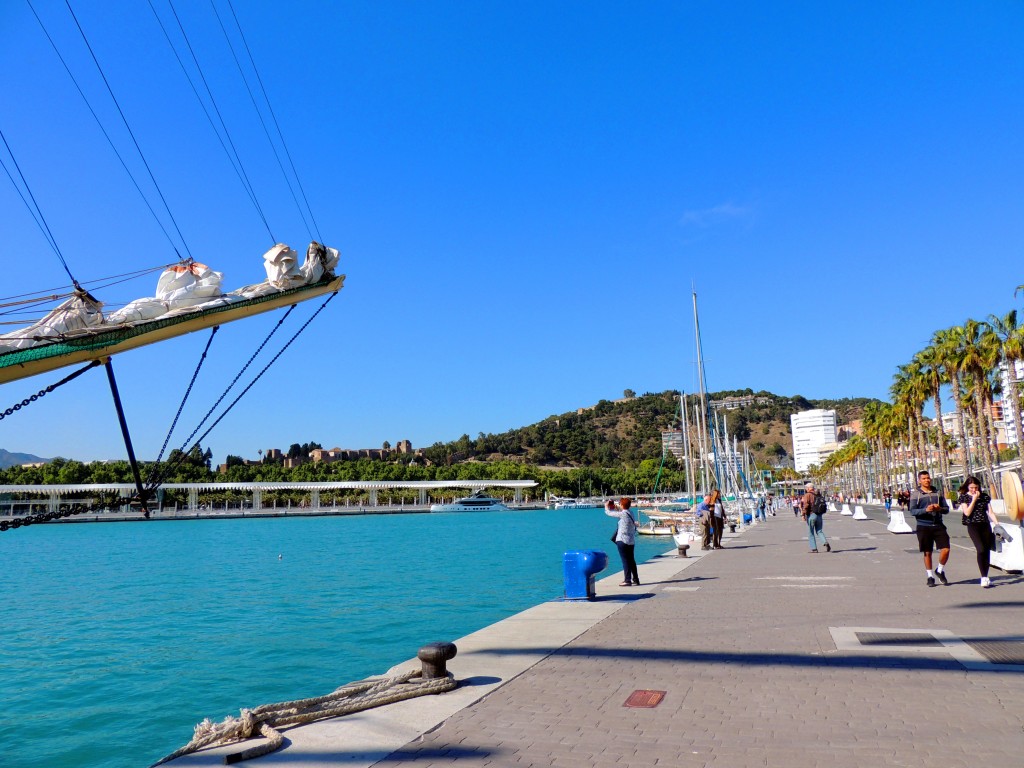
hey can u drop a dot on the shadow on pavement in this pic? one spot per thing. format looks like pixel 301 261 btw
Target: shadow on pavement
pixel 624 597
pixel 690 580
pixel 835 660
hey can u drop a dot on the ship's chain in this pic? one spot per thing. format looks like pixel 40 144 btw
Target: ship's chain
pixel 44 392
pixel 65 510
pixel 18 406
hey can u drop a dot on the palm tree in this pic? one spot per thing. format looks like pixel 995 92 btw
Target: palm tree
pixel 930 360
pixel 949 344
pixel 978 355
pixel 910 391
pixel 872 422
pixel 1011 347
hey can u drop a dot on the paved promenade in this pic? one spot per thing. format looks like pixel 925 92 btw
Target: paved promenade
pixel 767 656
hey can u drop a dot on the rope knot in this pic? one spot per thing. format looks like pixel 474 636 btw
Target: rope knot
pixel 249 723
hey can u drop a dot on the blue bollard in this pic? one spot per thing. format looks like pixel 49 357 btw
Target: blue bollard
pixel 579 567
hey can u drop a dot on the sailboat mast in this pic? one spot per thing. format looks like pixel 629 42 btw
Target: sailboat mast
pixel 687 448
pixel 702 426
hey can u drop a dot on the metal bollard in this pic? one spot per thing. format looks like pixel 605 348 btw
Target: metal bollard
pixel 433 656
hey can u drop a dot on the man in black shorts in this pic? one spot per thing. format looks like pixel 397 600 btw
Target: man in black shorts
pixel 928 506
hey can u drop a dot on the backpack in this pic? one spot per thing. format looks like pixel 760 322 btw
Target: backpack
pixel 820 505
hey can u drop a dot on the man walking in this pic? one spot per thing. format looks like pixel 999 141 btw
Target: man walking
pixel 814 506
pixel 928 506
pixel 705 517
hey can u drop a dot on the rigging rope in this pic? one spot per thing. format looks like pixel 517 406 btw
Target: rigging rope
pixel 259 114
pixel 103 130
pixel 233 157
pixel 37 213
pixel 267 719
pixel 124 119
pixel 126 275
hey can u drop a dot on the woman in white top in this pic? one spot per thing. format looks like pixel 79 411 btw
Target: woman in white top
pixel 625 540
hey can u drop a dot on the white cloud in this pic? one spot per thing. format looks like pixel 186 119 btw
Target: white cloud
pixel 719 214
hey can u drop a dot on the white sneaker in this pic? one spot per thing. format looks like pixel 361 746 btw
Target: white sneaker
pixel 985 581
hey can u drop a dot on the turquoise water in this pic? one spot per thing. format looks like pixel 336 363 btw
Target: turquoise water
pixel 116 639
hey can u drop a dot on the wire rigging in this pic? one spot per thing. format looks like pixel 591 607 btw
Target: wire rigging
pixel 124 119
pixel 247 388
pixel 34 208
pixel 184 399
pixel 232 154
pixel 263 123
pixel 103 130
pixel 188 440
pixel 273 116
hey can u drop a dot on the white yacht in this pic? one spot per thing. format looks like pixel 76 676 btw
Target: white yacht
pixel 477 502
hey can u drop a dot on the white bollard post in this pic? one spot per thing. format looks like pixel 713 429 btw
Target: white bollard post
pixel 898 523
pixel 858 513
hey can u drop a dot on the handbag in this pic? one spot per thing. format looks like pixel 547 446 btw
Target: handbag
pixel 615 536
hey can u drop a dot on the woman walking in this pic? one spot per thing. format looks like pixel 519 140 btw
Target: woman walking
pixel 625 540
pixel 975 506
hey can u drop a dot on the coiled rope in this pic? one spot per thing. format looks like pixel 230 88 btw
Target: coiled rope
pixel 267 719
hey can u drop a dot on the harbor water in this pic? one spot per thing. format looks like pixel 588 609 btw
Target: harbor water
pixel 117 638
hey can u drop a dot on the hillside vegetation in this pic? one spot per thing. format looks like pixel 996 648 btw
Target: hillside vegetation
pixel 610 447
pixel 627 431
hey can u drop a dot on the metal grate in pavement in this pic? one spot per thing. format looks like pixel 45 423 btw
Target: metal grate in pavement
pixel 999 651
pixel 897 638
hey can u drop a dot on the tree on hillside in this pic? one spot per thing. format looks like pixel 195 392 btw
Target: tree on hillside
pixel 629 393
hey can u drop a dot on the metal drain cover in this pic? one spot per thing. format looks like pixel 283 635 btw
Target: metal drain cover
pixel 897 638
pixel 644 699
pixel 999 652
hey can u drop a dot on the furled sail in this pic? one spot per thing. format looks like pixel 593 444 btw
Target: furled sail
pixel 188 298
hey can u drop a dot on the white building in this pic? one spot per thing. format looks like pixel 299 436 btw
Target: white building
pixel 672 442
pixel 1008 417
pixel 811 430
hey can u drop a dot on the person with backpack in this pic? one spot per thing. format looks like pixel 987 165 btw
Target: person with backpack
pixel 814 508
pixel 928 505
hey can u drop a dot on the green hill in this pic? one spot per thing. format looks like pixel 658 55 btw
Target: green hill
pixel 625 432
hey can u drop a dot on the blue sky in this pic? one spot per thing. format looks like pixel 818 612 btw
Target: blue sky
pixel 524 195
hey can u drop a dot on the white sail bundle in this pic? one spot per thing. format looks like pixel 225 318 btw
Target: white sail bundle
pixel 80 313
pixel 183 288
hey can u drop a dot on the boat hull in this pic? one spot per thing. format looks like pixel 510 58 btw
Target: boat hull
pixel 456 507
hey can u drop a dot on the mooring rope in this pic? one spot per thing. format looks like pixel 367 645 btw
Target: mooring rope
pixel 267 719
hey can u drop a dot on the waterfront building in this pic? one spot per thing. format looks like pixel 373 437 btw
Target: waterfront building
pixel 811 430
pixel 672 442
pixel 1009 422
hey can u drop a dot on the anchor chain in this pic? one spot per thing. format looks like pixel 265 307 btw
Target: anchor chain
pixel 65 510
pixel 43 392
pixel 18 406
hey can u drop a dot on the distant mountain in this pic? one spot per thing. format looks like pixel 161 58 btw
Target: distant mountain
pixel 8 459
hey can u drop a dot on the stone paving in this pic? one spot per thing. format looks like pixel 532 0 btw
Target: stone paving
pixel 760 651
pixel 743 642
